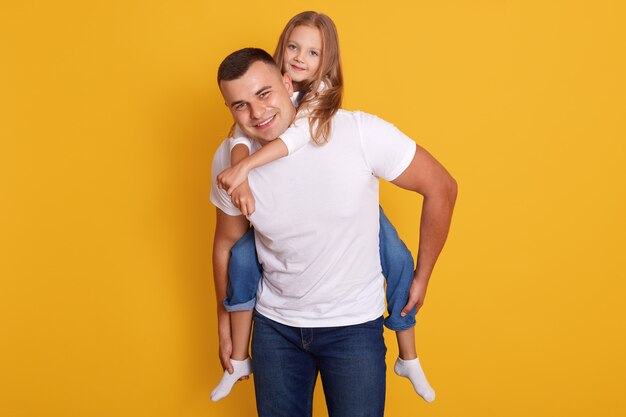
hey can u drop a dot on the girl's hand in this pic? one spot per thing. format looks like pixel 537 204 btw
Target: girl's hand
pixel 243 199
pixel 232 177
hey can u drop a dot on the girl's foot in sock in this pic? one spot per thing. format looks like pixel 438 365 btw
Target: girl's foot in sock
pixel 240 369
pixel 412 370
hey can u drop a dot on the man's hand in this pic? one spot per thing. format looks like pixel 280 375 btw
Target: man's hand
pixel 243 199
pixel 417 294
pixel 232 177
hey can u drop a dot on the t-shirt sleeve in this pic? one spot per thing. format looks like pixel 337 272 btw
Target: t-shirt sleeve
pixel 297 135
pixel 239 138
pixel 388 151
pixel 219 197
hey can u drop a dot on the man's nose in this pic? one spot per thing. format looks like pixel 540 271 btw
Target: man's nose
pixel 256 110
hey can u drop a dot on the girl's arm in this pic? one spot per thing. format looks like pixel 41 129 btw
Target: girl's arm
pixel 294 138
pixel 242 196
pixel 232 177
pixel 238 154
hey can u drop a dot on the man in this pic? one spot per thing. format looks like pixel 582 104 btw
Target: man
pixel 320 302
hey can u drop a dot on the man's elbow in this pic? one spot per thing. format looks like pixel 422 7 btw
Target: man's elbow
pixel 446 190
pixel 452 189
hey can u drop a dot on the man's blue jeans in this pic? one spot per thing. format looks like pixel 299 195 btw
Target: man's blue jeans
pixel 349 359
pixel 244 273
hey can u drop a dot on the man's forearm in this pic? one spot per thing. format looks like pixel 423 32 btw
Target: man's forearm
pixel 426 176
pixel 221 256
pixel 434 226
pixel 228 230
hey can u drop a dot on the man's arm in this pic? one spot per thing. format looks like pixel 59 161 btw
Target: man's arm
pixel 228 230
pixel 426 176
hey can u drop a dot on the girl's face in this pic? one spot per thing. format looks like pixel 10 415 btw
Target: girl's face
pixel 303 53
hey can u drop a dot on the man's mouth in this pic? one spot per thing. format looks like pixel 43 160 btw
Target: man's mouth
pixel 265 123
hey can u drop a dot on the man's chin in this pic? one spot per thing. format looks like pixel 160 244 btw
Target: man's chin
pixel 264 137
pixel 251 134
pixel 264 140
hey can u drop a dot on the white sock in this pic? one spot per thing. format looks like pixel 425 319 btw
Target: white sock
pixel 240 368
pixel 412 370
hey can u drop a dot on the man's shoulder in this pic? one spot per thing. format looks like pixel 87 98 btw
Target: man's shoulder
pixel 225 143
pixel 361 119
pixel 356 115
pixel 221 157
pixel 224 148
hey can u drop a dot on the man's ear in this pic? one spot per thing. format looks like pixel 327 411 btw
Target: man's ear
pixel 222 93
pixel 288 83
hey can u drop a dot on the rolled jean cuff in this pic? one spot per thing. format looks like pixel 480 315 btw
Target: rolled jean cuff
pixel 248 305
pixel 401 323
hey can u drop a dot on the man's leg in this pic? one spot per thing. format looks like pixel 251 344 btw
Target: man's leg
pixel 284 371
pixel 351 360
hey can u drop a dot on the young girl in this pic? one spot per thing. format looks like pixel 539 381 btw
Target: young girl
pixel 308 50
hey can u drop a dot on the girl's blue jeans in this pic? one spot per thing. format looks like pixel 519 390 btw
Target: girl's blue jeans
pixel 244 272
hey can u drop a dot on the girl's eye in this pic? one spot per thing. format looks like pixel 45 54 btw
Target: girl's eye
pixel 313 53
pixel 291 47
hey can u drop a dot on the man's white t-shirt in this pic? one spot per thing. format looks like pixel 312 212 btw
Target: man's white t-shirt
pixel 316 222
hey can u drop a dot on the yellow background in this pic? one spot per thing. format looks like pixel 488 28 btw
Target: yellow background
pixel 110 115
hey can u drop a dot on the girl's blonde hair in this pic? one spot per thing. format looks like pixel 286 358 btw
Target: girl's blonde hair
pixel 322 95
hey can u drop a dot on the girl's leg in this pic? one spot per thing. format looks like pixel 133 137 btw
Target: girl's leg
pixel 398 268
pixel 408 365
pixel 244 273
pixel 406 343
pixel 240 328
pixel 240 324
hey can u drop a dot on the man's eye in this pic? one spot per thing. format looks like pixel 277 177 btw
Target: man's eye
pixel 240 106
pixel 264 94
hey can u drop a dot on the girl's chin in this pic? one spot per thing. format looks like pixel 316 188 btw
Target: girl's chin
pixel 297 78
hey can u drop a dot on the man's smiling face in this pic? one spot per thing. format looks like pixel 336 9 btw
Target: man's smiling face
pixel 260 102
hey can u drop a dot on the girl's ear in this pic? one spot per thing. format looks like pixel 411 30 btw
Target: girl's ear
pixel 288 83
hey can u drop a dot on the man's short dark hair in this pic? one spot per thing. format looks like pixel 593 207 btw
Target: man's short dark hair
pixel 236 64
